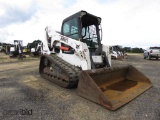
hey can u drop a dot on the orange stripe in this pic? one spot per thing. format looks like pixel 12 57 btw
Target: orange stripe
pixel 64 48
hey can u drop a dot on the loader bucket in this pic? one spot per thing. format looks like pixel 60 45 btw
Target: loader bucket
pixel 112 87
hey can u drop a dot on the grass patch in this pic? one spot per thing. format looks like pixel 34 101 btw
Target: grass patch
pixel 134 53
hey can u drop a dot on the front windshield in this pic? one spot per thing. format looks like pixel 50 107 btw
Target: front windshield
pixel 89 36
pixel 70 29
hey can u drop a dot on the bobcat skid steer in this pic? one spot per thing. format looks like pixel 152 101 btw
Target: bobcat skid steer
pixel 17 50
pixel 36 48
pixel 75 57
pixel 117 52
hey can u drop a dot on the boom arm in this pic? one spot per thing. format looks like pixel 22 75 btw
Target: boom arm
pixel 54 40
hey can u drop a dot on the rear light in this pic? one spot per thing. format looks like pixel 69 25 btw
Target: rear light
pixel 150 51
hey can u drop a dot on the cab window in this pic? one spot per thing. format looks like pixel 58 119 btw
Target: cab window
pixel 70 29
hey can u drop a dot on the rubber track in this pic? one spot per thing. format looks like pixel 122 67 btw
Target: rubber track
pixel 72 71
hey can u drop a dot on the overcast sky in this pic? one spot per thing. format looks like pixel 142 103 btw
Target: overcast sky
pixel 131 23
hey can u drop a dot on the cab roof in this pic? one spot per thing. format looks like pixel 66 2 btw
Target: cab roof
pixel 81 14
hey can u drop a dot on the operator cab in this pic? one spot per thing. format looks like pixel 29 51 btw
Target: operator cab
pixel 84 27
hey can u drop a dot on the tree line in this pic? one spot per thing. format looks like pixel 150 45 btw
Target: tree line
pixel 133 50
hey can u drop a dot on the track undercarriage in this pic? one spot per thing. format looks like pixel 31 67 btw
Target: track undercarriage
pixel 58 71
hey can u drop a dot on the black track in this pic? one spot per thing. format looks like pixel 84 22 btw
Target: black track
pixel 59 71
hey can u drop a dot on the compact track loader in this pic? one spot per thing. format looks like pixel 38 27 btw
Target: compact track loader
pixel 75 57
pixel 17 50
pixel 36 47
pixel 117 52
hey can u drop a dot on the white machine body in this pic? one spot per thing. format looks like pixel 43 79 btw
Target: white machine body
pixel 81 56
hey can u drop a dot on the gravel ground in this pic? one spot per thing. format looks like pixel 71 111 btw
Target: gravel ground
pixel 24 95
